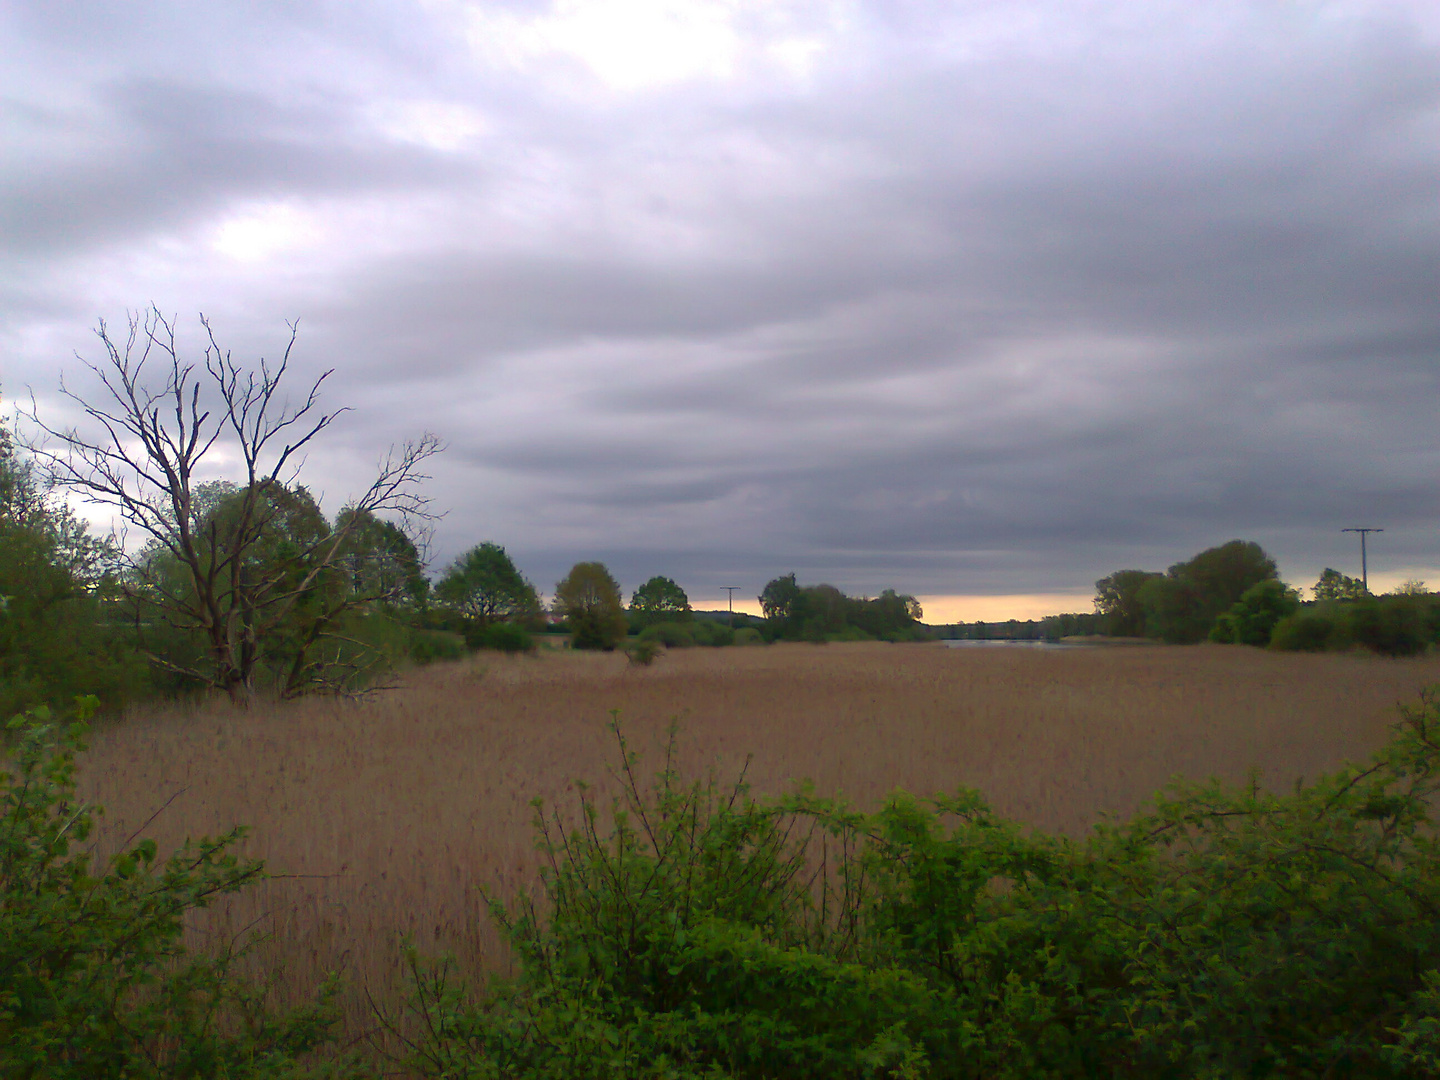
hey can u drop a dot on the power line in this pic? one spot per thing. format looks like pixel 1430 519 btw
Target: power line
pixel 1364 568
pixel 730 598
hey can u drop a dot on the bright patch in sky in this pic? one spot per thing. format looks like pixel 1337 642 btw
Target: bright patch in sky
pixel 262 231
pixel 942 610
pixel 639 44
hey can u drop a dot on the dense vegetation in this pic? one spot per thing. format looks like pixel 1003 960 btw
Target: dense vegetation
pixel 94 980
pixel 1232 595
pixel 1226 932
pixel 1182 604
pixel 1396 625
pixel 818 613
pixel 62 632
pixel 697 931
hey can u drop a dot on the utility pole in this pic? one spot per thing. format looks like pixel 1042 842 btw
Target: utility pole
pixel 1364 568
pixel 730 598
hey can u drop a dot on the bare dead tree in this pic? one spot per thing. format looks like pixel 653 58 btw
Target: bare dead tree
pixel 159 417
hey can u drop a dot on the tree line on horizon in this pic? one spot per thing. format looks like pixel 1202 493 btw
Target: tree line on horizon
pixel 252 588
pixel 248 587
pixel 1232 595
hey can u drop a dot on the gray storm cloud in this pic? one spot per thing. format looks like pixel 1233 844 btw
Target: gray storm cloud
pixel 953 298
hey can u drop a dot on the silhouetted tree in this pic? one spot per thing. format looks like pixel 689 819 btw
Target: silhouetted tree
pixel 778 599
pixel 660 600
pixel 1182 606
pixel 822 612
pixel 1117 598
pixel 589 599
pixel 1334 585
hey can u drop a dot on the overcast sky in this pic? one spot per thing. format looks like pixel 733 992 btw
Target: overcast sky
pixel 964 299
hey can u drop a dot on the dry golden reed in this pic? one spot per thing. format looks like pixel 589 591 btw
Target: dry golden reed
pixel 393 816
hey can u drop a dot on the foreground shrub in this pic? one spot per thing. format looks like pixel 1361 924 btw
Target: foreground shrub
pixel 670 634
pixel 1388 625
pixel 430 646
pixel 94 981
pixel 675 635
pixel 1252 619
pixel 1392 626
pixel 713 633
pixel 1226 932
pixel 643 653
pixel 749 635
pixel 1304 631
pixel 501 637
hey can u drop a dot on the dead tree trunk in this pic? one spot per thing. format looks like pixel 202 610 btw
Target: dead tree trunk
pixel 203 569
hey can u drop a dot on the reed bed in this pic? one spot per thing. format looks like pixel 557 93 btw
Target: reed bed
pixel 393 818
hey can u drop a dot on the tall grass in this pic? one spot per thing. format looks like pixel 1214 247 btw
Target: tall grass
pixel 393 817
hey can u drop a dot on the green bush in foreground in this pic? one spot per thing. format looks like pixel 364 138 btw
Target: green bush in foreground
pixel 672 635
pixel 501 637
pixel 1226 932
pixel 643 653
pixel 676 635
pixel 94 981
pixel 431 646
pixel 1304 631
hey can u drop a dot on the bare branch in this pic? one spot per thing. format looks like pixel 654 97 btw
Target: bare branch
pixel 149 434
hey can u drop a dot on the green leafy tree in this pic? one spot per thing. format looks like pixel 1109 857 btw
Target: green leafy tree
pixel 485 586
pixel 1253 618
pixel 95 982
pixel 1220 575
pixel 61 631
pixel 1334 585
pixel 1182 606
pixel 1117 598
pixel 822 612
pixel 660 600
pixel 314 603
pixel 891 616
pixel 780 598
pixel 589 600
pixel 380 561
pixel 236 572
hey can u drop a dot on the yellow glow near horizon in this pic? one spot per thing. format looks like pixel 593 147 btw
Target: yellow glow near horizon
pixel 970 608
pixel 956 608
